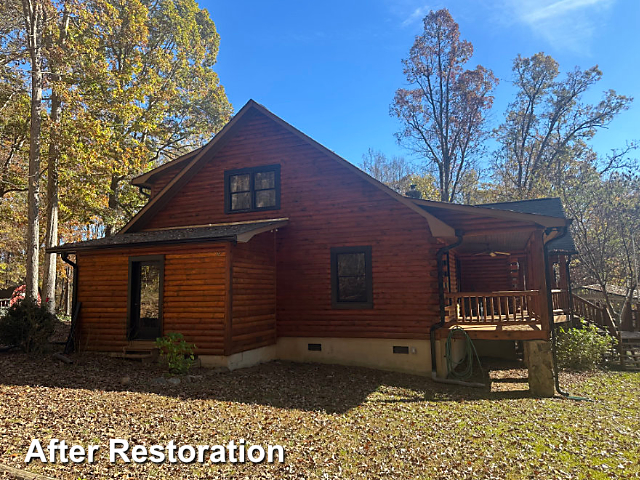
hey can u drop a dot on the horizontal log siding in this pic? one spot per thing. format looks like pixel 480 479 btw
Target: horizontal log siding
pixel 254 294
pixel 453 271
pixel 162 178
pixel 484 273
pixel 328 206
pixel 194 296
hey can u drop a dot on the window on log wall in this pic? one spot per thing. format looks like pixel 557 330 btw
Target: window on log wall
pixel 351 279
pixel 252 189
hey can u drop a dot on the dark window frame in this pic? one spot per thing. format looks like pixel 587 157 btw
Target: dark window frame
pixel 335 303
pixel 149 259
pixel 251 171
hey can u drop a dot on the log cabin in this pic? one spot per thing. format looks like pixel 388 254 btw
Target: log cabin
pixel 264 244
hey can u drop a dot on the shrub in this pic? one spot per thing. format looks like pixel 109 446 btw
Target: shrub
pixel 27 325
pixel 176 353
pixel 582 348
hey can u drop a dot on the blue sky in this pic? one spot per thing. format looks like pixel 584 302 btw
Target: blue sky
pixel 330 68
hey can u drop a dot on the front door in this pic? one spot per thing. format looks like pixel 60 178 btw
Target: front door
pixel 145 298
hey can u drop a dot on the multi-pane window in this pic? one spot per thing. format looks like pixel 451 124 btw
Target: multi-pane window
pixel 351 280
pixel 251 189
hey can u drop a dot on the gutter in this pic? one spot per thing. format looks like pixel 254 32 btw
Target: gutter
pixel 74 266
pixel 432 332
pixel 142 192
pixel 74 300
pixel 63 251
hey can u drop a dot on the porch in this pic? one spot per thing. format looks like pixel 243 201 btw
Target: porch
pixel 499 315
pixel 494 280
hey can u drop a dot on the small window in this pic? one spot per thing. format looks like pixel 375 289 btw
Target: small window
pixel 351 281
pixel 251 189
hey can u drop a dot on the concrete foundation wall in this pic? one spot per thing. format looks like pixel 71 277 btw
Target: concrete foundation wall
pixel 457 352
pixel 239 360
pixel 362 352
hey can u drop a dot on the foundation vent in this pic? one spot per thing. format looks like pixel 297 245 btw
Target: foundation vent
pixel 314 347
pixel 399 349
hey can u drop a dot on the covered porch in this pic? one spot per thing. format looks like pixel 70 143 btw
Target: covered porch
pixel 499 282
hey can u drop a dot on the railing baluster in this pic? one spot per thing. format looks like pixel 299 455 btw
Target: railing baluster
pixel 484 309
pixel 491 308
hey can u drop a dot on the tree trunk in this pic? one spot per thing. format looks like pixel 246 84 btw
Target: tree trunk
pixel 51 237
pixel 113 205
pixel 626 315
pixel 33 16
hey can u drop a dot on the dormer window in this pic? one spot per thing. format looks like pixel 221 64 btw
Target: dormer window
pixel 252 189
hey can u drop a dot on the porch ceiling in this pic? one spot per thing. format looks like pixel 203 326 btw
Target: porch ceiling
pixel 506 241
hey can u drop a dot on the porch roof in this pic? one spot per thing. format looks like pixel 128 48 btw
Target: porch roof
pixel 551 207
pixel 489 229
pixel 236 232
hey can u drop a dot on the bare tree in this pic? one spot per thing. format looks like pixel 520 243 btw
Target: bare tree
pixel 546 121
pixel 443 113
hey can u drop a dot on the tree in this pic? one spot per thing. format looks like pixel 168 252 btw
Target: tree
pixel 33 11
pixel 56 42
pixel 443 114
pixel 547 124
pixel 606 220
pixel 149 81
pixel 398 174
pixel 118 87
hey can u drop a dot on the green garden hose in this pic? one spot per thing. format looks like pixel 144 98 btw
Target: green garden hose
pixel 469 352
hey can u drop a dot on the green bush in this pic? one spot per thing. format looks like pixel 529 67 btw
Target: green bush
pixel 176 353
pixel 27 326
pixel 582 348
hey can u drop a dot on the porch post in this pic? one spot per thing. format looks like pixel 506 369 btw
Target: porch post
pixel 536 246
pixel 538 353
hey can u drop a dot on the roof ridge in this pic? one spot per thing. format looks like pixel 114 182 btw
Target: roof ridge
pixel 517 201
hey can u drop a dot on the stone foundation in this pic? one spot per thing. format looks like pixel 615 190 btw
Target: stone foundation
pixel 539 360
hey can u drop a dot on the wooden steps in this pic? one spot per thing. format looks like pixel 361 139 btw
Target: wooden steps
pixel 629 350
pixel 138 350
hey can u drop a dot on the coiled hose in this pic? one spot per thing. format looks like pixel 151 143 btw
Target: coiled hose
pixel 467 360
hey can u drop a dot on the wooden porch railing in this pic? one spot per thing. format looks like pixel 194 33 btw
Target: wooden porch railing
pixel 560 299
pixel 490 308
pixel 594 314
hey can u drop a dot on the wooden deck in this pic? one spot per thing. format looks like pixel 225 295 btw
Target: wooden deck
pixel 508 331
pixel 498 332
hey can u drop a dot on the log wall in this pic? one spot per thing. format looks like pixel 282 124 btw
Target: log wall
pixel 328 206
pixel 194 297
pixel 254 294
pixel 484 273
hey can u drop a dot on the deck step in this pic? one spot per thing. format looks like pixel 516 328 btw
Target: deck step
pixel 137 353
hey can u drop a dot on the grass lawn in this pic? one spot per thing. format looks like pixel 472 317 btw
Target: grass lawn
pixel 334 422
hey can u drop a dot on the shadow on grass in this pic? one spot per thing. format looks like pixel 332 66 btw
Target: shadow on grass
pixel 309 387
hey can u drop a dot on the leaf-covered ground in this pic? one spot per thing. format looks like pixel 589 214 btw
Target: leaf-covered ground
pixel 335 422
